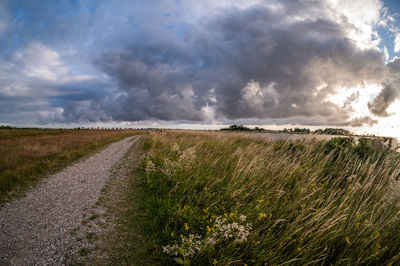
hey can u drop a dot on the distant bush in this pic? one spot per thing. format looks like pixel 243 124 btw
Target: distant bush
pixel 364 148
pixel 6 127
pixel 332 131
pixel 297 130
pixel 339 144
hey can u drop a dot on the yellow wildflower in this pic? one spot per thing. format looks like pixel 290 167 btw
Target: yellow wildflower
pixel 262 215
pixel 348 240
pixel 186 226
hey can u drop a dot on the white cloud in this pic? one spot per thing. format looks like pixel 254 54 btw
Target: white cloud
pixel 386 52
pixel 397 43
pixel 362 16
pixel 43 63
pixel 254 95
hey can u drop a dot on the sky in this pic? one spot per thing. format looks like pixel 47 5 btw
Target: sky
pixel 201 64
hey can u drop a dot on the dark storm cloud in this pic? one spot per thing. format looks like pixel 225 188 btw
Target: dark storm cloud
pixel 249 63
pixel 389 93
pixel 386 97
pixel 363 121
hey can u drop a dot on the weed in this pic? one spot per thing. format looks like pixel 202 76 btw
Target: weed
pixel 84 251
pixel 94 216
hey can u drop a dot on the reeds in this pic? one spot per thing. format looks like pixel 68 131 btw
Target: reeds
pixel 303 202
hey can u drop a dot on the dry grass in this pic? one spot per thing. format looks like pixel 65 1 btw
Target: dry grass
pixel 307 201
pixel 27 155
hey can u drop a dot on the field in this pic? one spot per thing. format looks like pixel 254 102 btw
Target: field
pixel 212 198
pixel 29 154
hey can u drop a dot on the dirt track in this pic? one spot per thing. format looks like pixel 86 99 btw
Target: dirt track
pixel 35 229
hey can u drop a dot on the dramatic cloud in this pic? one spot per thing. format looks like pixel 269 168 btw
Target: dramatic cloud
pixel 361 121
pixel 385 98
pixel 279 61
pixel 389 93
pixel 259 62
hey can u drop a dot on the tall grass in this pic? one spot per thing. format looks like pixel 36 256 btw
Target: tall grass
pixel 231 199
pixel 27 155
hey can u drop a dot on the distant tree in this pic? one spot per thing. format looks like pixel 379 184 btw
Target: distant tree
pixel 301 130
pixel 6 127
pixel 333 131
pixel 236 128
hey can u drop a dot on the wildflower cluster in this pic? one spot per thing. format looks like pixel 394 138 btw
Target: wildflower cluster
pixel 150 167
pixel 187 247
pixel 230 228
pixel 168 166
pixel 188 156
pixel 223 229
pixel 175 148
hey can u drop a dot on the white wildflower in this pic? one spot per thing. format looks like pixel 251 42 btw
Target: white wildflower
pixel 150 167
pixel 187 248
pixel 225 230
pixel 188 155
pixel 175 148
pixel 211 241
pixel 169 167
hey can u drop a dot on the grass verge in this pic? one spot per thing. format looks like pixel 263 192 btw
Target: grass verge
pixel 127 243
pixel 201 198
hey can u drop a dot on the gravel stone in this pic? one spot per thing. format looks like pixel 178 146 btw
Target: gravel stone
pixel 35 230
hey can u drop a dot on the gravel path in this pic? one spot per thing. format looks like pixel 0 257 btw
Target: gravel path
pixel 35 230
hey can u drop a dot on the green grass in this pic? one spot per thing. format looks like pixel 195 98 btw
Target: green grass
pixel 84 251
pixel 127 244
pixel 93 217
pixel 231 199
pixel 28 155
